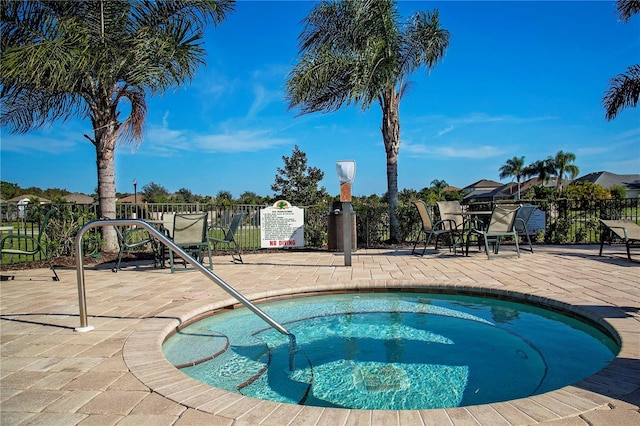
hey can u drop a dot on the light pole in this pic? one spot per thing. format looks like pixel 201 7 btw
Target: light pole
pixel 135 195
pixel 346 170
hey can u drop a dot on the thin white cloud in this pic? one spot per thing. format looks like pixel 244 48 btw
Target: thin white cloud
pixel 473 152
pixel 41 141
pixel 476 118
pixel 240 141
pixel 164 141
pixel 622 142
pixel 447 130
pixel 262 99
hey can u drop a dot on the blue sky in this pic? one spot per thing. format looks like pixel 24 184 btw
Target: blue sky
pixel 518 79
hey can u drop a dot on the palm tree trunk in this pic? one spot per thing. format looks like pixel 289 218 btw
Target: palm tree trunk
pixel 105 141
pixel 391 137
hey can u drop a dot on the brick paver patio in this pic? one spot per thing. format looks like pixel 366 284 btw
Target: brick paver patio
pixel 116 374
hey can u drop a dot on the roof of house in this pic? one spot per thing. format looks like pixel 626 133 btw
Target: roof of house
pixel 608 180
pixel 26 198
pixel 484 184
pixel 131 199
pixel 78 198
pixel 451 188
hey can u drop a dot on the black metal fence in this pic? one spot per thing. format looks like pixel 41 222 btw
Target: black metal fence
pixel 566 221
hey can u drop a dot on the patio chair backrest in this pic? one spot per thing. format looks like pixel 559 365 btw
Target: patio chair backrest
pixel 233 228
pixel 503 218
pixel 189 228
pixel 522 218
pixel 167 223
pixel 425 216
pixel 45 222
pixel 450 211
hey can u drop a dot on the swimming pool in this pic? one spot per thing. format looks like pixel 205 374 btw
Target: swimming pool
pixel 392 351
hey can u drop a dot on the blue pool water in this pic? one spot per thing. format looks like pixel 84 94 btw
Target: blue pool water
pixel 392 351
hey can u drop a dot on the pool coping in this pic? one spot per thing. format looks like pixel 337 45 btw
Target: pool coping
pixel 143 356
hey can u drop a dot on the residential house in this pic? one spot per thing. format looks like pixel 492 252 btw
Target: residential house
pixel 481 190
pixel 608 180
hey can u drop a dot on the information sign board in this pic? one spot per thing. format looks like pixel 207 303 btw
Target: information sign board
pixel 281 225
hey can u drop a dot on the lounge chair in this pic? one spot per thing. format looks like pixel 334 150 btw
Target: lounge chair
pixel 190 234
pixel 522 218
pixel 626 230
pixel 132 239
pixel 451 214
pixel 32 245
pixel 501 225
pixel 430 229
pixel 229 237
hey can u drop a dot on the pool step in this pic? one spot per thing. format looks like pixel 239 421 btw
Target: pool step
pixel 202 347
pixel 294 386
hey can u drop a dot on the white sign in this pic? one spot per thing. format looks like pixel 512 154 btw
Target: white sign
pixel 282 226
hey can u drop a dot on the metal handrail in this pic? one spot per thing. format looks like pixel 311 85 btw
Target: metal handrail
pixel 82 300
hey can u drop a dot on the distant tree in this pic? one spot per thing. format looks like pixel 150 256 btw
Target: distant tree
pixel 224 198
pixel 185 196
pixel 514 167
pixel 96 59
pixel 249 197
pixel 618 192
pixel 452 195
pixel 586 192
pixel 55 193
pixel 34 190
pixel 407 195
pixel 539 192
pixel 563 167
pixel 624 89
pixel 359 52
pixel 204 199
pixel 541 169
pixel 438 186
pixel 155 193
pixel 297 182
pixel 8 190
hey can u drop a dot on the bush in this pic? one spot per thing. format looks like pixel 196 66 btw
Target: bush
pixel 63 227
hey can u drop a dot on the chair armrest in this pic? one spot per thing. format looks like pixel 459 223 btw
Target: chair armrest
pixel 450 222
pixel 36 244
pixel 219 230
pixel 136 237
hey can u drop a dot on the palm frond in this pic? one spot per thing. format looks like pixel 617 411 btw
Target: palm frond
pixel 623 92
pixel 626 8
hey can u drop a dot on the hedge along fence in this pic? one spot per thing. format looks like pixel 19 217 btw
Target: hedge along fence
pixel 567 222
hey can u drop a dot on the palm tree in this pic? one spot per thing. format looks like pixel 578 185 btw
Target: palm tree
pixel 513 168
pixel 357 52
pixel 96 59
pixel 438 186
pixel 624 89
pixel 542 169
pixel 563 167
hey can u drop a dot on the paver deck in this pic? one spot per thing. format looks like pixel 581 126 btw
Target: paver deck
pixel 116 374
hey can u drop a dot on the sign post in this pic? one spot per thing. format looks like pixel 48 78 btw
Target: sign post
pixel 346 170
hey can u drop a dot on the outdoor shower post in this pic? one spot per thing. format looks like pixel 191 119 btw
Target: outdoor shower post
pixel 346 170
